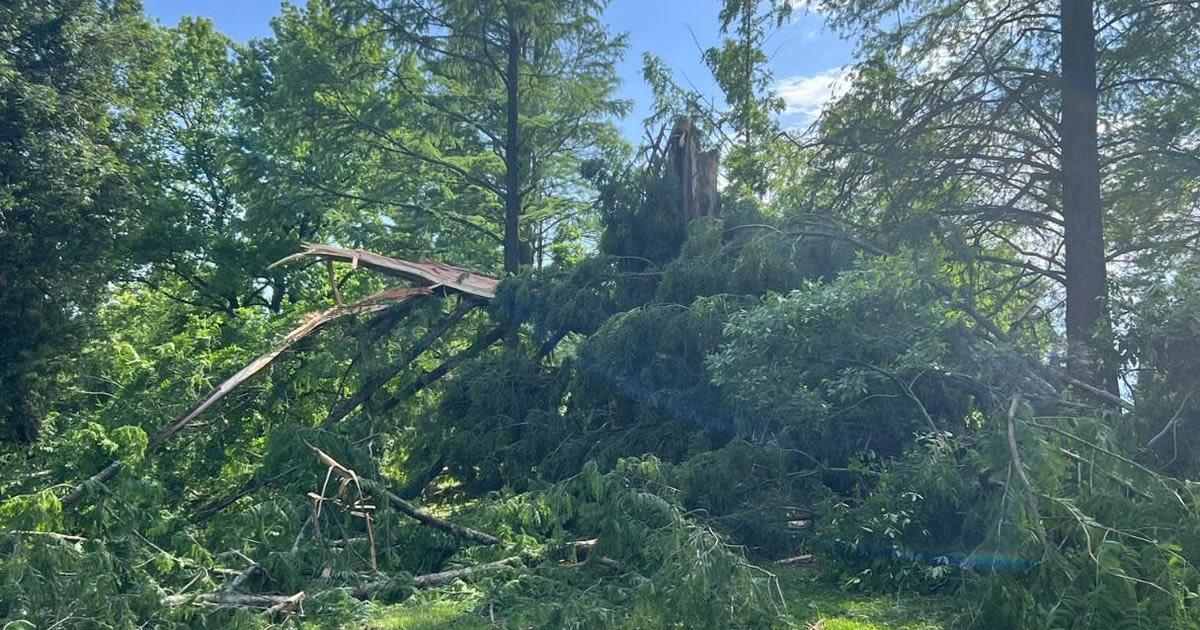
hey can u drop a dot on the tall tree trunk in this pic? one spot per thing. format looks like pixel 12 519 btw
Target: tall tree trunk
pixel 512 157
pixel 1082 211
pixel 512 162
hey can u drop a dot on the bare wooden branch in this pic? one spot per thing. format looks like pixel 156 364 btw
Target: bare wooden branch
pixel 1170 424
pixel 54 535
pixel 236 600
pixel 428 272
pixel 435 522
pixel 428 580
pixel 465 573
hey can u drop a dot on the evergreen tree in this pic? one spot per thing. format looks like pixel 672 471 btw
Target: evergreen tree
pixel 518 93
pixel 739 66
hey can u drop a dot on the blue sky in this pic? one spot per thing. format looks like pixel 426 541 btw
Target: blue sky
pixel 807 58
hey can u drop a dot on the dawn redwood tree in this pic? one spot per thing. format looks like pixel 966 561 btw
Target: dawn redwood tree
pixel 739 66
pixel 1049 141
pixel 1084 267
pixel 513 96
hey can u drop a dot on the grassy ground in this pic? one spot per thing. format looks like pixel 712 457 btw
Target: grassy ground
pixel 823 606
pixel 812 604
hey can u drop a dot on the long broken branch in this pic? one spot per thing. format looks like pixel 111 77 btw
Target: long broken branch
pixel 270 603
pixel 428 272
pixel 436 579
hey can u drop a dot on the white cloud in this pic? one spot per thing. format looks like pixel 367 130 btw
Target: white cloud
pixel 806 96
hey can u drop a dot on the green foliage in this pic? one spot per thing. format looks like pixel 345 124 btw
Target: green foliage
pixel 669 571
pixel 839 364
pixel 699 269
pixel 913 521
pixel 750 493
pixel 85 584
pixel 643 217
pixel 574 298
pixel 65 206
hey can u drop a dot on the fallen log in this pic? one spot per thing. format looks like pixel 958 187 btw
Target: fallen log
pixel 365 591
pixel 427 272
pixel 270 603
pixel 312 323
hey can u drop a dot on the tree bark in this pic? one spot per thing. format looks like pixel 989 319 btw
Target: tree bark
pixel 512 150
pixel 1086 276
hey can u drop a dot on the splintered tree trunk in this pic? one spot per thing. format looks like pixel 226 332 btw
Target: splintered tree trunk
pixel 1082 211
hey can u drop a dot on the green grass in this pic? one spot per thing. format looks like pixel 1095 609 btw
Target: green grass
pixel 811 604
pixel 820 605
pixel 453 612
